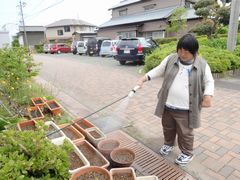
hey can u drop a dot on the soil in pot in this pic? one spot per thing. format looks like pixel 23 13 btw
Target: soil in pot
pixel 35 113
pixel 75 161
pixel 70 134
pixel 93 176
pixel 123 176
pixel 95 134
pixel 55 135
pixel 82 125
pixel 39 101
pixel 28 128
pixel 124 157
pixel 91 155
pixel 53 105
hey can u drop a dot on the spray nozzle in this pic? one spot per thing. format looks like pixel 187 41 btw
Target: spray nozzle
pixel 133 91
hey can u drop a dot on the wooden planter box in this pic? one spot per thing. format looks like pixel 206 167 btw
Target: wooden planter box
pixel 28 125
pixel 56 138
pixel 72 133
pixel 38 101
pixel 54 107
pixel 147 178
pixel 94 135
pixel 92 172
pixel 77 160
pixel 123 173
pixel 82 125
pixel 35 113
pixel 94 157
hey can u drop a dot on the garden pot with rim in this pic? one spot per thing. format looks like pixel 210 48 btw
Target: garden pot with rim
pixel 91 173
pixel 56 138
pixel 147 178
pixel 28 125
pixel 106 146
pixel 54 107
pixel 77 160
pixel 94 135
pixel 126 173
pixel 35 113
pixel 71 132
pixel 82 124
pixel 94 157
pixel 122 157
pixel 38 101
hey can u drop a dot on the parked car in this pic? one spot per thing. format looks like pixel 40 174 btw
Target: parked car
pixel 60 48
pixel 82 47
pixel 94 45
pixel 108 48
pixel 134 49
pixel 46 48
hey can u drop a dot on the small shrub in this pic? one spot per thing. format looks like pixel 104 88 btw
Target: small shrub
pixel 38 48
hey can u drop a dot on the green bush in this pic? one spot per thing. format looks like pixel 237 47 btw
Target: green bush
pixel 237 51
pixel 38 48
pixel 166 40
pixel 29 155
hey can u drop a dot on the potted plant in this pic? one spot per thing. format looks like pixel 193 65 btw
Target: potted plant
pixel 106 146
pixel 29 155
pixel 38 101
pixel 26 125
pixel 92 172
pixel 94 157
pixel 82 124
pixel 123 173
pixel 54 107
pixel 71 132
pixel 35 113
pixel 122 157
pixel 94 135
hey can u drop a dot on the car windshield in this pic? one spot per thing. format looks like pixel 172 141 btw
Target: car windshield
pixel 131 43
pixel 106 43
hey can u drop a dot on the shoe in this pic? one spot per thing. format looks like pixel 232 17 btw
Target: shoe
pixel 165 150
pixel 183 159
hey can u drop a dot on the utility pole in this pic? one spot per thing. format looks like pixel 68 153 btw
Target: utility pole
pixel 233 25
pixel 23 23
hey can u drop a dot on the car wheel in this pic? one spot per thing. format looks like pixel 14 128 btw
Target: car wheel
pixel 58 52
pixel 80 54
pixel 122 62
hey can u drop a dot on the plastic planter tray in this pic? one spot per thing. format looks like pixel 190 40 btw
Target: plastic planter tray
pixel 147 178
pixel 38 101
pixel 58 137
pixel 94 157
pixel 72 133
pixel 28 125
pixel 54 107
pixel 82 124
pixel 35 113
pixel 128 172
pixel 94 135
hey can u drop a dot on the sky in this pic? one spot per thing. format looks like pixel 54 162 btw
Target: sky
pixel 44 12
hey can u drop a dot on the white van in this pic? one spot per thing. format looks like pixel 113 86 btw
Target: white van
pixel 82 47
pixel 108 48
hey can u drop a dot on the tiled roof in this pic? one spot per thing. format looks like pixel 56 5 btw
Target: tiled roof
pixel 32 28
pixel 124 3
pixel 147 16
pixel 67 22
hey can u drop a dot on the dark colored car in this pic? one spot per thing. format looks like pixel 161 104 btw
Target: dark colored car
pixel 60 48
pixel 134 49
pixel 94 45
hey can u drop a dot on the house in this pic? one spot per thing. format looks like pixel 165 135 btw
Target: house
pixel 4 39
pixel 145 18
pixel 67 30
pixel 35 35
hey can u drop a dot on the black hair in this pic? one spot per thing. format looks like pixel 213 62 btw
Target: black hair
pixel 188 42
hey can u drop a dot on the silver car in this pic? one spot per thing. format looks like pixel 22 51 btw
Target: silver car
pixel 82 47
pixel 46 48
pixel 108 48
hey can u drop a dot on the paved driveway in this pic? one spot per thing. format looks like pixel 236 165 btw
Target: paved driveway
pixel 85 84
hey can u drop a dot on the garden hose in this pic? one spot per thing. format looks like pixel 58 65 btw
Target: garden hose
pixel 131 93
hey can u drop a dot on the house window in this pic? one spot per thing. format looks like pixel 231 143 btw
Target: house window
pixel 123 12
pixel 154 34
pixel 128 34
pixel 66 28
pixel 59 32
pixel 149 7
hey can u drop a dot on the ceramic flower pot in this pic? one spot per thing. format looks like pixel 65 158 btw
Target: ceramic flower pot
pixel 106 146
pixel 38 101
pixel 54 107
pixel 82 124
pixel 122 157
pixel 91 173
pixel 123 173
pixel 94 157
pixel 94 135
pixel 72 133
pixel 35 113
pixel 29 125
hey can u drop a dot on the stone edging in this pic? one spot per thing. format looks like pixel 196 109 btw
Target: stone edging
pixel 232 73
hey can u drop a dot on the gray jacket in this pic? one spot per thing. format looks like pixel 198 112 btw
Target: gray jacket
pixel 196 88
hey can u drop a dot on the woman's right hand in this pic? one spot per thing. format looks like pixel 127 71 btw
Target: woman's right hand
pixel 142 80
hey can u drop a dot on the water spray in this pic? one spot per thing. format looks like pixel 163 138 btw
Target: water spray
pixel 131 93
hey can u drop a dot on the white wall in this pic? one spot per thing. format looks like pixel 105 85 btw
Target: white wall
pixel 4 39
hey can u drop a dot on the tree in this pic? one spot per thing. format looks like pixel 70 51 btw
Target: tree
pixel 177 22
pixel 214 16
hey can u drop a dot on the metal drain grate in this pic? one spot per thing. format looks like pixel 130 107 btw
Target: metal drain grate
pixel 148 162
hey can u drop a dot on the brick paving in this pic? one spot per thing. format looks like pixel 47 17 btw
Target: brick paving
pixel 87 88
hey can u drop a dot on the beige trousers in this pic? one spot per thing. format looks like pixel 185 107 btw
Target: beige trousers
pixel 175 122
